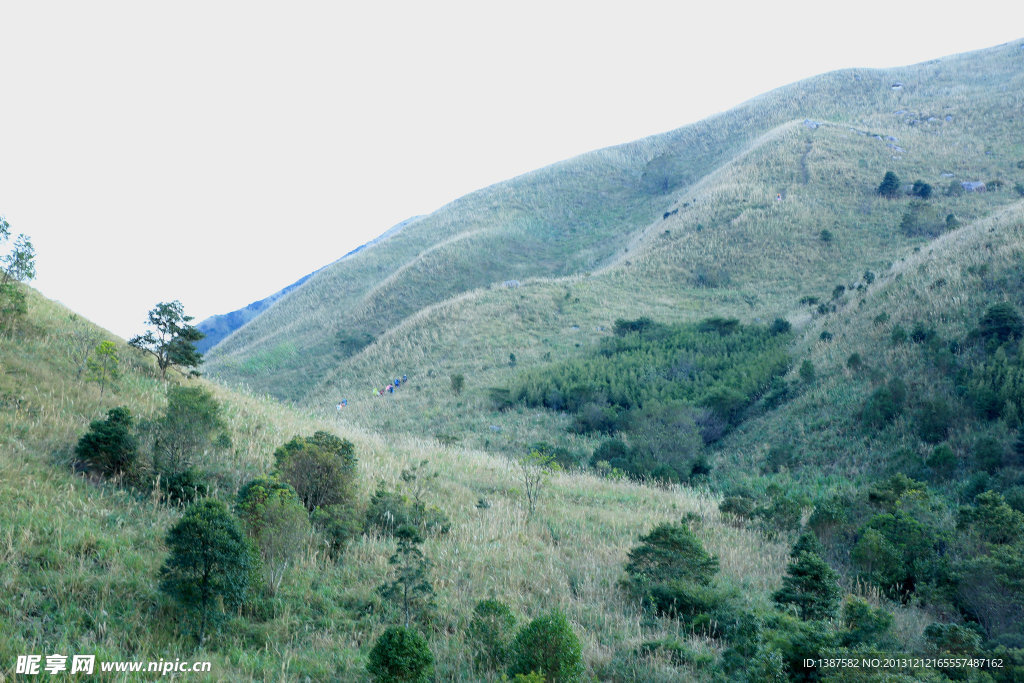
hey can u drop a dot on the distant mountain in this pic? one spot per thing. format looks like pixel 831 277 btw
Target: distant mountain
pixel 217 327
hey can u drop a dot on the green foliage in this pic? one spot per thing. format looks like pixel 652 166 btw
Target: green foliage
pixel 780 326
pixel 854 362
pixel 1001 322
pixel 102 365
pixel 187 430
pixel 401 655
pixel 490 635
pixel 934 418
pixel 942 460
pixel 534 470
pixel 671 572
pixel 109 446
pixel 210 563
pixel 185 486
pixel 548 645
pixel 991 589
pixel 884 404
pixel 810 584
pixel 807 373
pixel 321 468
pixel 826 236
pixel 16 266
pixel 389 510
pixel 458 381
pixel 922 189
pixel 991 520
pixel 410 590
pixel 955 639
pixel 171 339
pixel 276 522
pixel 718 364
pixel 339 525
pixel 890 185
pixel 864 625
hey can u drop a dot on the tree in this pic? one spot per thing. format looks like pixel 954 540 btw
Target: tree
pixel 109 446
pixel 171 339
pixel 321 468
pixel 187 429
pixel 534 471
pixel 548 645
pixel 102 364
pixel 210 563
pixel 276 521
pixel 490 633
pixel 17 265
pixel 810 584
pixel 411 590
pixel 890 186
pixel 400 654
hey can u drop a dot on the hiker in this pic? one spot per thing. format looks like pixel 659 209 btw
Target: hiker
pixel 405 378
pixel 778 197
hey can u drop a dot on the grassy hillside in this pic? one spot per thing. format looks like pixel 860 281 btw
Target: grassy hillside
pixel 684 221
pixel 80 555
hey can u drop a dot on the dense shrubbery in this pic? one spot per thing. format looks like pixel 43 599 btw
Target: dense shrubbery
pixel 109 447
pixel 672 388
pixel 549 646
pixel 401 655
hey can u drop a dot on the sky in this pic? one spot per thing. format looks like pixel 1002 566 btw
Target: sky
pixel 214 152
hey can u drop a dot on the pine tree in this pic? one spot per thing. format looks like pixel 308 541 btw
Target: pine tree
pixel 411 590
pixel 811 585
pixel 171 339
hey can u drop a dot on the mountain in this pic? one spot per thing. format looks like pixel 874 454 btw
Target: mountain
pixel 217 327
pixel 742 214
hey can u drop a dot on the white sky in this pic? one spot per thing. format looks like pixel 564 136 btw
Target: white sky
pixel 215 152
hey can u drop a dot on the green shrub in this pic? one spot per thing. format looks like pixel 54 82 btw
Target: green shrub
pixel 810 585
pixel 389 510
pixel 187 486
pixel 276 522
pixel 109 447
pixel 807 371
pixel 740 506
pixel 884 404
pixel 988 454
pixel 187 430
pixel 854 362
pixel 321 468
pixel 864 625
pixel 899 335
pixel 957 639
pixel 490 635
pixel 942 460
pixel 934 419
pixel 780 326
pixel 339 525
pixel 922 189
pixel 399 655
pixel 210 564
pixel 1001 322
pixel 890 185
pixel 548 645
pixel 458 381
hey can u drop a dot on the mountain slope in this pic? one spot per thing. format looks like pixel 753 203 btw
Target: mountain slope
pixel 823 144
pixel 217 327
pixel 79 555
